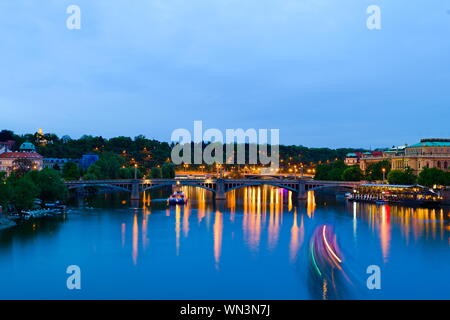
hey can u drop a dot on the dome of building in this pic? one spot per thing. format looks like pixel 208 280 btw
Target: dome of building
pixel 27 147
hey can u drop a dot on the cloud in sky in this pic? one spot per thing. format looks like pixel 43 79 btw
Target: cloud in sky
pixel 308 67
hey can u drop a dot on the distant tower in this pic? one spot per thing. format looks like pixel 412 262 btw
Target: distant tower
pixel 40 138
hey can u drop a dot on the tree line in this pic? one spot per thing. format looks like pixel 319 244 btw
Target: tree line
pixel 19 191
pixel 112 166
pixel 149 153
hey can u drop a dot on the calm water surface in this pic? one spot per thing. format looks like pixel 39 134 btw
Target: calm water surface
pixel 254 245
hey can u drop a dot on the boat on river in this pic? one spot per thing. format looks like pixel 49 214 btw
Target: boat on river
pixel 178 197
pixel 396 194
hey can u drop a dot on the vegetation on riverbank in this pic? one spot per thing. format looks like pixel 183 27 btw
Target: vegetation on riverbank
pixel 19 192
pixel 112 166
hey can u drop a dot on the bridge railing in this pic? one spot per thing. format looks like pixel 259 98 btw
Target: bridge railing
pixel 210 180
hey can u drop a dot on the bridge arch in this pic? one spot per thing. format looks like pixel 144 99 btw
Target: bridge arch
pixel 99 185
pixel 262 183
pixel 188 184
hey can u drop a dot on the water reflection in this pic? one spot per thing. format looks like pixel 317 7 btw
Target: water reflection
pixel 297 237
pixel 124 232
pixel 415 223
pixel 254 229
pixel 177 227
pixel 135 249
pixel 311 204
pixel 218 229
pixel 327 275
pixel 145 218
pixel 261 210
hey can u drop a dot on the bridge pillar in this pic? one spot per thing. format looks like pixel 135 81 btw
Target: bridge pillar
pixel 302 194
pixel 220 190
pixel 80 193
pixel 135 194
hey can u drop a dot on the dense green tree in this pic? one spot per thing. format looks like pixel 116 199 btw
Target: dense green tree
pixel 156 173
pixel 117 145
pixel 71 171
pixel 33 176
pixel 21 191
pixel 322 171
pixel 405 177
pixel 330 171
pixel 109 165
pixel 6 135
pixel 126 173
pixel 24 191
pixel 433 176
pixel 5 195
pixel 168 171
pixel 353 173
pixel 374 172
pixel 51 186
pixel 93 173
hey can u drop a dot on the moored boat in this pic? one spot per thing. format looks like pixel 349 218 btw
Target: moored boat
pixel 396 194
pixel 178 197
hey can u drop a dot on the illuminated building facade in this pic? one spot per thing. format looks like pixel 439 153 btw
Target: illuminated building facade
pixel 429 153
pixel 8 160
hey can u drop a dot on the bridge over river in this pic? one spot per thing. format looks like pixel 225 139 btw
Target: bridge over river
pixel 218 186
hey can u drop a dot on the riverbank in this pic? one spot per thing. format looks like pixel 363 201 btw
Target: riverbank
pixel 6 223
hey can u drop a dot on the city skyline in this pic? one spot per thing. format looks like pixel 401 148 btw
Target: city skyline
pixel 312 70
pixel 386 146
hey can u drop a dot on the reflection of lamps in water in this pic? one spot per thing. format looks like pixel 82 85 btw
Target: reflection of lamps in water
pixel 328 246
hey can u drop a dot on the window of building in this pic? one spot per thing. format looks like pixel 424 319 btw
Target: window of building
pixel 439 164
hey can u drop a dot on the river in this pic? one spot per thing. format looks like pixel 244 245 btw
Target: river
pixel 254 245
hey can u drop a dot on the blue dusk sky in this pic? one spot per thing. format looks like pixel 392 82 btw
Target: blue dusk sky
pixel 310 68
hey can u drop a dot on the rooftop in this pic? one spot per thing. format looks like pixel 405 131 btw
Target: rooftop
pixel 432 143
pixel 15 155
pixel 27 146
